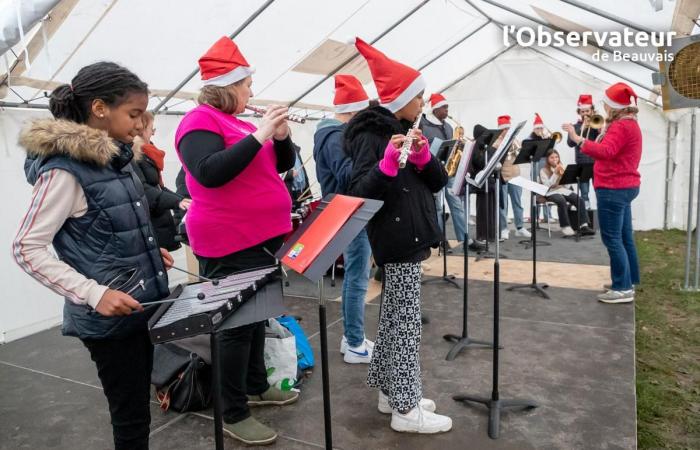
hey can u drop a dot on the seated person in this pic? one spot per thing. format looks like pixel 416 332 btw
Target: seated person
pixel 550 175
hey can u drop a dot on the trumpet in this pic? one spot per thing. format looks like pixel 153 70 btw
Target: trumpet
pixel 557 136
pixel 596 121
pixel 260 111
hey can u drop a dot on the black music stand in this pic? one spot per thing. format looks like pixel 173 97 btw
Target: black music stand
pixel 495 404
pixel 577 174
pixel 442 155
pixel 315 273
pixel 532 151
pixel 487 139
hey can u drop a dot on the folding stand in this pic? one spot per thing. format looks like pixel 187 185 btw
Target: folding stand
pixel 532 151
pixel 576 174
pixel 495 403
pixel 315 273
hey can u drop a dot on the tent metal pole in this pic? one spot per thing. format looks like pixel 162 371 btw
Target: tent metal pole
pixel 667 180
pixel 691 188
pixel 196 71
pixel 448 49
pixel 697 220
pixel 606 15
pixel 22 105
pixel 344 63
pixel 556 28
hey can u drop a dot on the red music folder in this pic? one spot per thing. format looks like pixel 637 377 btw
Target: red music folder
pixel 310 244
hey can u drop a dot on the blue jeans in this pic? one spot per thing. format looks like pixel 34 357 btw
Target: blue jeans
pixel 357 267
pixel 456 209
pixel 585 189
pixel 515 192
pixel 615 222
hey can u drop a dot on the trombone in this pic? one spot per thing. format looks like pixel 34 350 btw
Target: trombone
pixel 557 136
pixel 595 121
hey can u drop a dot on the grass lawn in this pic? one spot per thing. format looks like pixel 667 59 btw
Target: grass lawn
pixel 668 346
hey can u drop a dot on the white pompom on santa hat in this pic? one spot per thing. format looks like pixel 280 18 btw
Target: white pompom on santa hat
pixel 437 101
pixel 223 64
pixel 397 84
pixel 350 96
pixel 503 122
pixel 538 121
pixel 619 96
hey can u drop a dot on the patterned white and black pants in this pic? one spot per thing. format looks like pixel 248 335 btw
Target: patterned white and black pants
pixel 395 365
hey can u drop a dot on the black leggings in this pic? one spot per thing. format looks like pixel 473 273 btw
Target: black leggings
pixel 563 202
pixel 243 370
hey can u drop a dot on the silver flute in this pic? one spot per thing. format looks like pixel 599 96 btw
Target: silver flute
pixel 406 148
pixel 261 111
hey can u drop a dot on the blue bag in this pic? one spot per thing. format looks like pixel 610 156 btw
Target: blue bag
pixel 305 355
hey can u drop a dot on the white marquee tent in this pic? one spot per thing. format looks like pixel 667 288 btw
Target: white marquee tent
pixel 296 46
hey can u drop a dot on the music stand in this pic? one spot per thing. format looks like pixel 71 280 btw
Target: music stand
pixel 442 155
pixel 486 140
pixel 315 272
pixel 495 404
pixel 576 174
pixel 531 151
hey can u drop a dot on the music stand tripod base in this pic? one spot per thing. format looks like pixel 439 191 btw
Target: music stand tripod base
pixel 495 407
pixel 537 287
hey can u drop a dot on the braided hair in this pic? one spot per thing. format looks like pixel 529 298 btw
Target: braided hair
pixel 105 81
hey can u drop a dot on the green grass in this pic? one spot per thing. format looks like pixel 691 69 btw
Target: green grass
pixel 668 346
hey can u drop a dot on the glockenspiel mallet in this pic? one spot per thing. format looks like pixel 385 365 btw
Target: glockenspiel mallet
pixel 214 282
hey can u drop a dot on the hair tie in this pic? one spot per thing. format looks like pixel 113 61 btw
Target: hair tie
pixel 71 87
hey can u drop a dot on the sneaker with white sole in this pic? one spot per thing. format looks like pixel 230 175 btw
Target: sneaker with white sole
pixel 617 296
pixel 421 421
pixel 344 345
pixel 522 232
pixel 358 355
pixel 505 234
pixel 384 408
pixel 568 231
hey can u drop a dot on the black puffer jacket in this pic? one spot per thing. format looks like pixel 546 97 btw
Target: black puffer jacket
pixel 161 202
pixel 406 226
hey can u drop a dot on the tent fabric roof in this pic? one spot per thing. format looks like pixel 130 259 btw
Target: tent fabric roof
pixel 162 41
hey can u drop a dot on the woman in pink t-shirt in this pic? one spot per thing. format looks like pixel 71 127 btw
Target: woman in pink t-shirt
pixel 239 214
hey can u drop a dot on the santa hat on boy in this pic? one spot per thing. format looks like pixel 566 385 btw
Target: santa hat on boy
pixel 538 122
pixel 350 96
pixel 437 101
pixel 619 96
pixel 223 64
pixel 585 101
pixel 397 84
pixel 503 122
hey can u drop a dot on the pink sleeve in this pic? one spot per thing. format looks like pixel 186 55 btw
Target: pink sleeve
pixel 609 146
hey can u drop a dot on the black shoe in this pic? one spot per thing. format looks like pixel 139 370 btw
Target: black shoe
pixel 379 274
pixel 477 246
pixel 587 231
pixel 424 319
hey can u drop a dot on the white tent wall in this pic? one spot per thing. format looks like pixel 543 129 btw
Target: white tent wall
pixel 522 82
pixel 680 166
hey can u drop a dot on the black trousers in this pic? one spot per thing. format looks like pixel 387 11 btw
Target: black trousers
pixel 124 368
pixel 563 202
pixel 242 349
pixel 486 215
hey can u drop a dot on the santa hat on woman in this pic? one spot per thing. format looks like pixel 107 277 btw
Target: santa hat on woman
pixel 619 96
pixel 538 122
pixel 585 101
pixel 350 96
pixel 503 122
pixel 223 64
pixel 397 84
pixel 437 101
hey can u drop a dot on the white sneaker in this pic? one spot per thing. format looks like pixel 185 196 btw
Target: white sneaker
pixel 344 345
pixel 568 231
pixel 505 234
pixel 419 420
pixel 617 296
pixel 522 232
pixel 358 355
pixel 384 408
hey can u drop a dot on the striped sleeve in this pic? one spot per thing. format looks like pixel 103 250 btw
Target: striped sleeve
pixel 57 195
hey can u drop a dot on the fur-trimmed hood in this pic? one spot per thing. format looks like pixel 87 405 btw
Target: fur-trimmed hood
pixel 46 138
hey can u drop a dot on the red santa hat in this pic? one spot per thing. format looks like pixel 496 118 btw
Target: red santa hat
pixel 223 64
pixel 437 101
pixel 538 121
pixel 503 122
pixel 585 101
pixel 619 96
pixel 397 84
pixel 350 96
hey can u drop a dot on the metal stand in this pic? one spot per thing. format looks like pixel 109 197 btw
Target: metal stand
pixel 464 341
pixel 495 404
pixel 534 216
pixel 535 286
pixel 216 392
pixel 328 431
pixel 445 276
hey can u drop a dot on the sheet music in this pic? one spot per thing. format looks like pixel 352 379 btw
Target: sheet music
pixel 529 185
pixel 458 185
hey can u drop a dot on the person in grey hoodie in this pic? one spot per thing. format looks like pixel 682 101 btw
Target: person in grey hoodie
pixel 333 171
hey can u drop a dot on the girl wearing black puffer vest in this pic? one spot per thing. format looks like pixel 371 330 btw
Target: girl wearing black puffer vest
pixel 400 234
pixel 90 205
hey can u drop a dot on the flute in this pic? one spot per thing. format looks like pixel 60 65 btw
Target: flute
pixel 406 148
pixel 291 117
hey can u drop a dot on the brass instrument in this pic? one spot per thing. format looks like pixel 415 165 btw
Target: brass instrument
pixel 260 111
pixel 408 142
pixel 596 121
pixel 455 153
pixel 557 136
